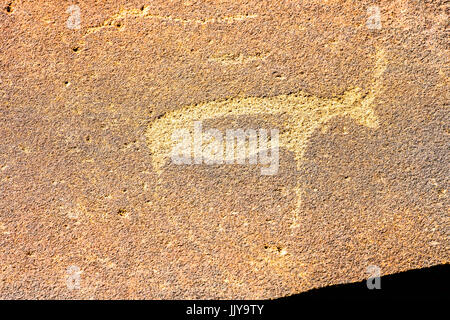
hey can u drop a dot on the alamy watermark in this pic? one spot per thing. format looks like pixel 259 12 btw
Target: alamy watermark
pixel 73 278
pixel 374 18
pixel 236 146
pixel 374 280
pixel 74 20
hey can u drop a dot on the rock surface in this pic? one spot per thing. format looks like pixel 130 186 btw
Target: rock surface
pixel 91 207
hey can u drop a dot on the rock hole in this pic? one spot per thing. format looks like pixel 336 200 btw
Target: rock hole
pixel 276 74
pixel 160 116
pixel 9 7
pixel 122 212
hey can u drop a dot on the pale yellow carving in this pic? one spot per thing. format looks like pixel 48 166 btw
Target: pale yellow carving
pixel 306 113
pixel 146 14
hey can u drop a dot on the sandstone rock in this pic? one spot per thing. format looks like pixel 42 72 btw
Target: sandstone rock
pixel 90 93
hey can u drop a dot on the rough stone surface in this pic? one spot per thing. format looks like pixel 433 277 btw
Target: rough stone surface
pixel 84 181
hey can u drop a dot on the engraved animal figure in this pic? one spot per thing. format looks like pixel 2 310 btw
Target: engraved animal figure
pixel 306 113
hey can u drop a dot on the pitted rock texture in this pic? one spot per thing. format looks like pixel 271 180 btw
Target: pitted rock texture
pixel 87 189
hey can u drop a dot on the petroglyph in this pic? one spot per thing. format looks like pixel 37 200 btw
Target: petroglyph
pixel 144 12
pixel 230 59
pixel 306 113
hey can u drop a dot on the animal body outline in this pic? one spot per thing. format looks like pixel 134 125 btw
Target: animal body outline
pixel 306 113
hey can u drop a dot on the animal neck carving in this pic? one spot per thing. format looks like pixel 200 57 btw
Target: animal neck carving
pixel 306 114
